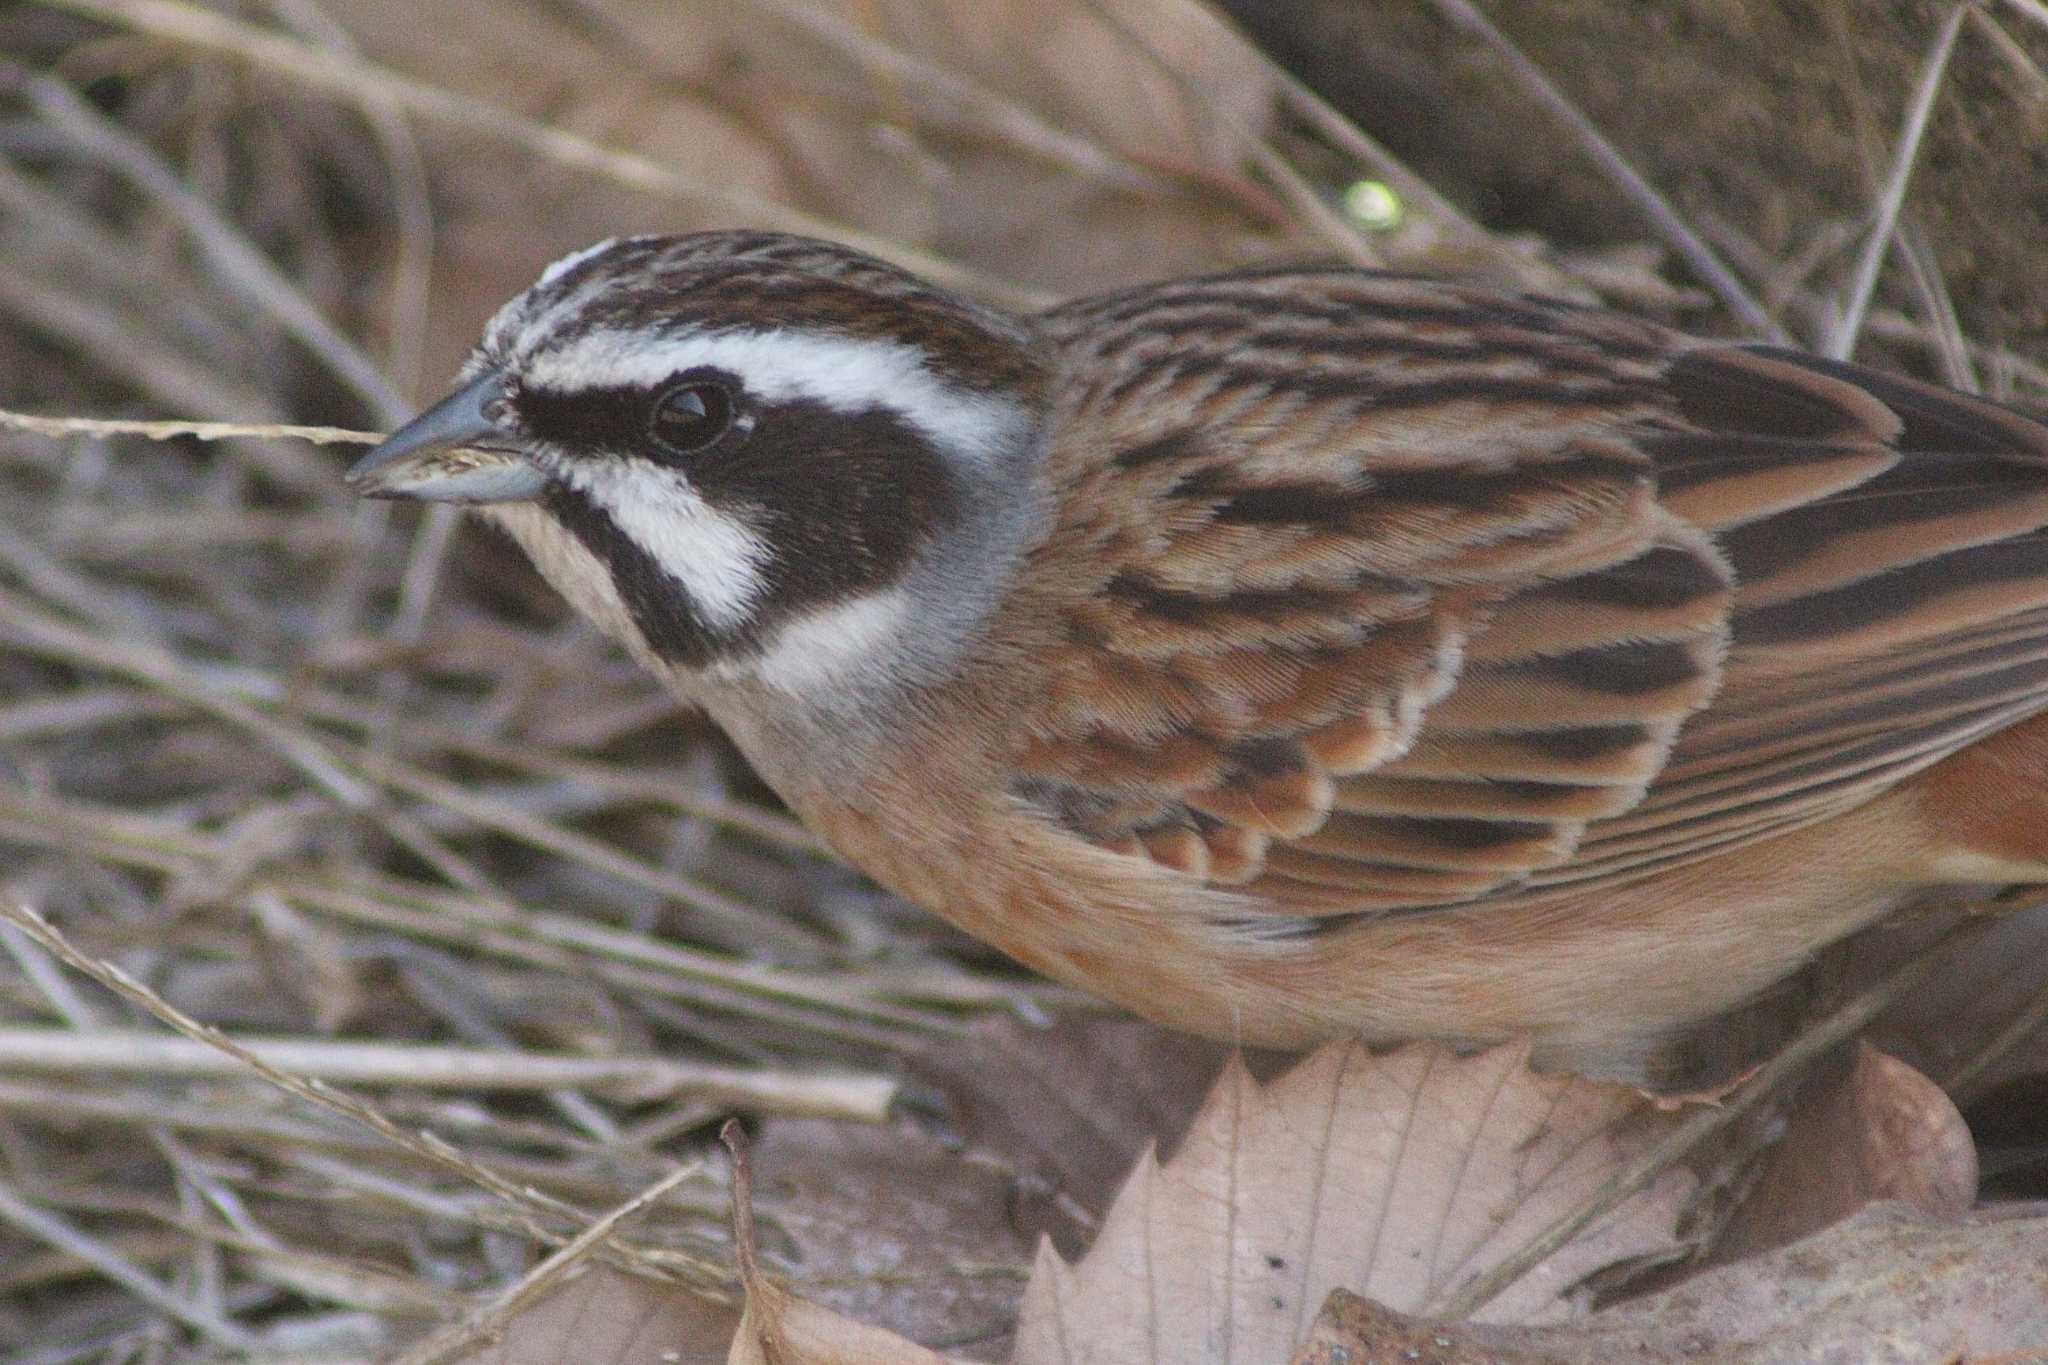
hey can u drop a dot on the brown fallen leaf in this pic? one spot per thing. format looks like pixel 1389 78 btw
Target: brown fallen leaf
pixel 604 1316
pixel 1888 1285
pixel 1350 1329
pixel 1399 1176
pixel 777 1327
pixel 894 1227
pixel 1875 1130
pixel 1066 1108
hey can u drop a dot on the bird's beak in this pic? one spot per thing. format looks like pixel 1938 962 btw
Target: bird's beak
pixel 451 453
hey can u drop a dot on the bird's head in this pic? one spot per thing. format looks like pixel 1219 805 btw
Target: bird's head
pixel 747 455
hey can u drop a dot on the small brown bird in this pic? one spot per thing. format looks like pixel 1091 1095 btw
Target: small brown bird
pixel 1296 653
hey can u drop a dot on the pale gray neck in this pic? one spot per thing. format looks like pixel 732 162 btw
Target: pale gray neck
pixel 829 687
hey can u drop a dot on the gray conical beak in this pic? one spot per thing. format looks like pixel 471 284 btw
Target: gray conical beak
pixel 451 453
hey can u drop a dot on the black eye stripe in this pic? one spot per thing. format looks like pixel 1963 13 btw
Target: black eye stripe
pixel 612 418
pixel 589 420
pixel 844 500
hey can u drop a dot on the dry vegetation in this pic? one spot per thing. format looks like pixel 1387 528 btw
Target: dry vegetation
pixel 345 795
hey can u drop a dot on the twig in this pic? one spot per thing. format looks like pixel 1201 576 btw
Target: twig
pixel 159 369
pixel 48 576
pixel 969 102
pixel 488 1323
pixel 1964 1084
pixel 529 1203
pixel 159 668
pixel 406 326
pixel 1416 192
pixel 2016 56
pixel 412 207
pixel 757 924
pixel 163 671
pixel 1333 226
pixel 172 430
pixel 1885 323
pixel 65 1236
pixel 1663 217
pixel 616 781
pixel 336 74
pixel 240 265
pixel 630 1080
pixel 1840 343
pixel 1952 348
pixel 2031 9
pixel 563 943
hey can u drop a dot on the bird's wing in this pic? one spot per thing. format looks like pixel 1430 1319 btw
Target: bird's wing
pixel 1371 593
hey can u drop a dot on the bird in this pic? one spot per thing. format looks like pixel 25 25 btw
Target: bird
pixel 1297 652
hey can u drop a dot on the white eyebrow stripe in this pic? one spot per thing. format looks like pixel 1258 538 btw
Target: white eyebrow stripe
pixel 574 259
pixel 845 374
pixel 719 560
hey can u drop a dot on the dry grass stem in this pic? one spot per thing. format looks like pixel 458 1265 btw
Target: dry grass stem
pixel 336 74
pixel 561 943
pixel 529 1205
pixel 2016 56
pixel 63 1235
pixel 758 925
pixel 1418 194
pixel 1303 197
pixel 1840 342
pixel 2030 9
pixel 636 1080
pixel 412 254
pixel 239 265
pixel 487 1323
pixel 173 430
pixel 969 103
pixel 1670 225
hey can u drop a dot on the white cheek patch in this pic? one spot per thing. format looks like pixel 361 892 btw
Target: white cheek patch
pixel 719 560
pixel 819 651
pixel 845 374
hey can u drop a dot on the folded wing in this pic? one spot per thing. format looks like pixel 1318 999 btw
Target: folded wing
pixel 1380 595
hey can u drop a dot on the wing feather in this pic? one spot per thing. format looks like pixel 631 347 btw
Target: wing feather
pixel 1377 595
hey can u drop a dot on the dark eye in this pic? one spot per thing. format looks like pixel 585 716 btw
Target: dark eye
pixel 691 415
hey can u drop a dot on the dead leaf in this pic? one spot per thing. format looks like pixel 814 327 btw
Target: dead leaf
pixel 777 1327
pixel 900 1230
pixel 1886 1285
pixel 1351 1329
pixel 1065 1109
pixel 1877 1130
pixel 1399 1176
pixel 606 1317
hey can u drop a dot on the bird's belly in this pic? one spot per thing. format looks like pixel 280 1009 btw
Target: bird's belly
pixel 1597 979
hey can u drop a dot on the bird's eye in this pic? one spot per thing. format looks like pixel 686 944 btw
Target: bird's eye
pixel 691 415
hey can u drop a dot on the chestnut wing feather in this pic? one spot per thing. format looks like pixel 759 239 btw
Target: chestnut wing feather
pixel 1382 594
